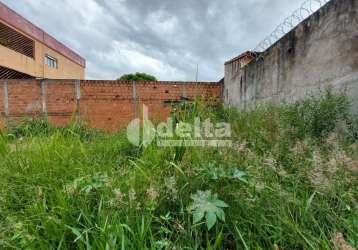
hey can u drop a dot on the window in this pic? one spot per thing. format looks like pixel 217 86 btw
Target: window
pixel 51 61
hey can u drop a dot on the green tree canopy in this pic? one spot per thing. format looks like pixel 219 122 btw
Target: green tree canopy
pixel 138 77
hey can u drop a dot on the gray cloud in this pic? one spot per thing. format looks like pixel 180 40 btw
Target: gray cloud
pixel 166 38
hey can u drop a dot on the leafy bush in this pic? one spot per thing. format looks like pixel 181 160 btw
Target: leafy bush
pixel 138 77
pixel 317 116
pixel 209 206
pixel 31 127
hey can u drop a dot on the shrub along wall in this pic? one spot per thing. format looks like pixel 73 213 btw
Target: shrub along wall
pixel 108 105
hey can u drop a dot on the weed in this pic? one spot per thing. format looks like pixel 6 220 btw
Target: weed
pixel 289 182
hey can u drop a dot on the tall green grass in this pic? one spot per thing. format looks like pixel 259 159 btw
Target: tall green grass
pixel 289 182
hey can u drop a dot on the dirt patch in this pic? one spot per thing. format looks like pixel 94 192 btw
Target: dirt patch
pixel 340 243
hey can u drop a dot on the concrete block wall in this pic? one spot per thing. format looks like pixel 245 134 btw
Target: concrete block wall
pixel 107 105
pixel 321 51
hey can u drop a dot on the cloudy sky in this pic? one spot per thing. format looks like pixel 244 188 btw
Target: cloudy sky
pixel 166 38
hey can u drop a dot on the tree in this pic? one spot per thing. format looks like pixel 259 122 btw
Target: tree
pixel 137 77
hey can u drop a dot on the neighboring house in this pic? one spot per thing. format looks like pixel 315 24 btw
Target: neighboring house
pixel 26 51
pixel 243 59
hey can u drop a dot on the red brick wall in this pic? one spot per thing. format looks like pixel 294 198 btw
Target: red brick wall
pixel 60 101
pixel 108 105
pixel 24 97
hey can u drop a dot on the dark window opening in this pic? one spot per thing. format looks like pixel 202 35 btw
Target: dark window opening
pixel 6 73
pixel 16 41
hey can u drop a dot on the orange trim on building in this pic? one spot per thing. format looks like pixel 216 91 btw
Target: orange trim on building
pixel 12 18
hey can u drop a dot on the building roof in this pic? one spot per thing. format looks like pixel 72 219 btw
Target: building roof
pixel 12 18
pixel 243 55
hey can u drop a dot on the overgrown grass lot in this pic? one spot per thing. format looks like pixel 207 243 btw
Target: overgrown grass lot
pixel 289 182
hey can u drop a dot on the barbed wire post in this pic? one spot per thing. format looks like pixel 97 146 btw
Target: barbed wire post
pixel 307 8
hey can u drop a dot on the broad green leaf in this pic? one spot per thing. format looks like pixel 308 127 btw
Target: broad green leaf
pixel 208 205
pixel 198 216
pixel 217 173
pixel 220 203
pixel 240 175
pixel 220 214
pixel 210 219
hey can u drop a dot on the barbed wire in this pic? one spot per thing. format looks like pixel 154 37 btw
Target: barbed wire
pixel 306 9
